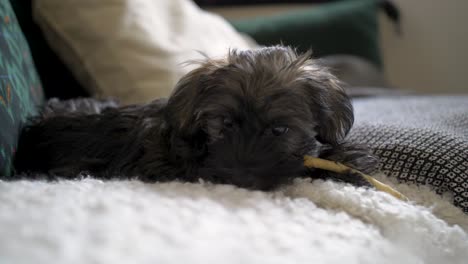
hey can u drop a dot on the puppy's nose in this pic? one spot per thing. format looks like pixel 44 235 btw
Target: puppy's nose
pixel 252 179
pixel 249 175
pixel 244 178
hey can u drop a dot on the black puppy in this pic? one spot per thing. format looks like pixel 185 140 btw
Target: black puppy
pixel 246 120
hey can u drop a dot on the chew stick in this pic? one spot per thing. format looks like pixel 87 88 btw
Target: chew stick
pixel 312 162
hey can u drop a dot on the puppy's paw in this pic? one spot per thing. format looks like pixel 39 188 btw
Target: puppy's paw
pixel 349 177
pixel 357 157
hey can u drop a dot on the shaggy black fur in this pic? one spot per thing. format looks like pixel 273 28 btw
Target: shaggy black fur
pixel 246 120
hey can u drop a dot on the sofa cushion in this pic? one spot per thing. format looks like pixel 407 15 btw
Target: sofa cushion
pixel 20 88
pixel 419 139
pixel 133 49
pixel 57 80
pixel 341 27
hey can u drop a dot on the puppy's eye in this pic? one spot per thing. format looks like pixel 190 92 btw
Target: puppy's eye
pixel 227 122
pixel 279 130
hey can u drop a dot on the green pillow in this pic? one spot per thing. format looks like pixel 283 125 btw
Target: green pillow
pixel 20 88
pixel 342 27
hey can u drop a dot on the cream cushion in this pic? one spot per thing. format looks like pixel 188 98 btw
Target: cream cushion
pixel 133 49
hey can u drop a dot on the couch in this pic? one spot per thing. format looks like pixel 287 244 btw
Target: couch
pixel 422 142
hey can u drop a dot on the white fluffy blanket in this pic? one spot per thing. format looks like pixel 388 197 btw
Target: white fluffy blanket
pixel 92 221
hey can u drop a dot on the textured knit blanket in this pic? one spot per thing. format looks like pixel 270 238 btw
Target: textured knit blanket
pixel 422 140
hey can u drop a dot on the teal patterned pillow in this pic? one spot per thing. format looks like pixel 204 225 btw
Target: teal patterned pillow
pixel 20 88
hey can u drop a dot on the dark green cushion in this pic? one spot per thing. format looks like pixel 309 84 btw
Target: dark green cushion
pixel 20 88
pixel 342 27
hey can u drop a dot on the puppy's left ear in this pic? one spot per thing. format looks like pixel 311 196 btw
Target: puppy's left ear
pixel 185 100
pixel 329 103
pixel 187 137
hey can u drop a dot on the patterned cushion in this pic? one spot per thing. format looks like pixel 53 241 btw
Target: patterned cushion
pixel 420 140
pixel 20 88
pixel 57 80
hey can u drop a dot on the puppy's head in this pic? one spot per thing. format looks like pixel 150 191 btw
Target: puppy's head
pixel 249 119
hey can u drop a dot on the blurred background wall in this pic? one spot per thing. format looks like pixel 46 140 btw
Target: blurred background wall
pixel 431 55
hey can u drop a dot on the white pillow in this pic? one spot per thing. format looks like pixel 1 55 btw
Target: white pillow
pixel 132 49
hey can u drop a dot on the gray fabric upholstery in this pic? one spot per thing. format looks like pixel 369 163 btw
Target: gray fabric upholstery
pixel 422 140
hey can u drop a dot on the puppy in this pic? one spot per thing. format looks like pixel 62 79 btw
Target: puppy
pixel 247 120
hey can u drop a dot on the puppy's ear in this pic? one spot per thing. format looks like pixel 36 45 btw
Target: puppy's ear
pixel 181 109
pixel 182 112
pixel 329 103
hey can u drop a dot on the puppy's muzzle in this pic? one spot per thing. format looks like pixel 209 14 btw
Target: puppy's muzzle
pixel 251 168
